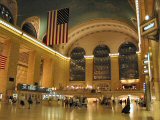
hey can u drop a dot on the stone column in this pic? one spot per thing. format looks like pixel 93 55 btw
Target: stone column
pixel 33 73
pixel 59 72
pixel 148 93
pixel 47 76
pixel 156 65
pixel 89 71
pixel 67 72
pixel 8 75
pixel 140 69
pixel 115 81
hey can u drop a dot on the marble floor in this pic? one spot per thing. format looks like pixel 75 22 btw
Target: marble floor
pixel 93 112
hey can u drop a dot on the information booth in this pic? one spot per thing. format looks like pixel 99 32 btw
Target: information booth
pixel 36 92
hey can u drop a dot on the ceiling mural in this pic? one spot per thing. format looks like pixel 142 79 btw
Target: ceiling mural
pixel 80 10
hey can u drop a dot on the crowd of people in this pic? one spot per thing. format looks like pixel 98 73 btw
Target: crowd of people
pixel 22 101
pixel 74 102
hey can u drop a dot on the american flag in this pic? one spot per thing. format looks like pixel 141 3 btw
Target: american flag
pixel 3 60
pixel 57 27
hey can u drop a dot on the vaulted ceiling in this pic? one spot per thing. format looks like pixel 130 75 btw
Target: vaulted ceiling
pixel 81 11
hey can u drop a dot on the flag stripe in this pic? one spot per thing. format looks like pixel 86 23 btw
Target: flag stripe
pixel 63 33
pixel 54 17
pixel 51 28
pixel 66 33
pixel 59 40
pixel 55 28
pixel 48 28
pixel 3 60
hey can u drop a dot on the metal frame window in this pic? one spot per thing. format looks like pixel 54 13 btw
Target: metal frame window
pixel 128 62
pixel 102 63
pixel 77 64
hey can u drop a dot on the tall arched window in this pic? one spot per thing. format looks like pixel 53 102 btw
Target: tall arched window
pixel 29 28
pixel 77 64
pixel 128 61
pixel 6 14
pixel 102 63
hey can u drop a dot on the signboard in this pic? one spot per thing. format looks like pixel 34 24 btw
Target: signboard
pixel 149 28
pixel 25 87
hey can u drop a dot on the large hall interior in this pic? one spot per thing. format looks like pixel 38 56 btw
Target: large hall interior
pixel 79 60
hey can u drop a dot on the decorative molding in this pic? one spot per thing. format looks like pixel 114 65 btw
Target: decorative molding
pixel 113 28
pixel 96 26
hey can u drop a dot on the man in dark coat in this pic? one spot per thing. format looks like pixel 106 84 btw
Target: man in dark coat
pixel 126 109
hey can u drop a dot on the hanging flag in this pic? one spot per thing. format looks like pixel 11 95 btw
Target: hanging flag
pixel 3 60
pixel 57 27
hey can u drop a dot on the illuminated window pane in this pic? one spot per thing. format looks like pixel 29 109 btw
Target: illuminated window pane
pixel 77 65
pixel 128 61
pixel 102 63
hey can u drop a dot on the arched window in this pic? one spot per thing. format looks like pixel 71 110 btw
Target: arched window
pixel 6 14
pixel 29 28
pixel 128 61
pixel 102 63
pixel 77 64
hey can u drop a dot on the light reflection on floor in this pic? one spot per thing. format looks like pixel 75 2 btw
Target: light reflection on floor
pixel 93 112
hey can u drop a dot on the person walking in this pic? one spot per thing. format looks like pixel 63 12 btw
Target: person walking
pixel 128 101
pixel 22 100
pixel 30 101
pixel 11 100
pixel 126 109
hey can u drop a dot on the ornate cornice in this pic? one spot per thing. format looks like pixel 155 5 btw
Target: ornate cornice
pixel 99 26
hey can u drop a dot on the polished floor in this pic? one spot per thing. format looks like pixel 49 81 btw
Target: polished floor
pixel 93 112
